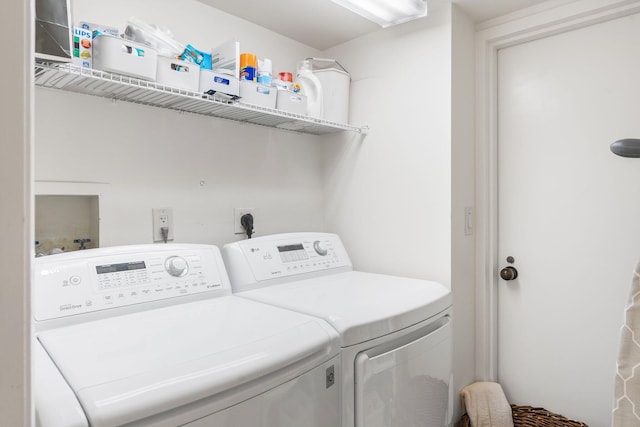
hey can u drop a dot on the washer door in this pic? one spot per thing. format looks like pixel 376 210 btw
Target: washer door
pixel 406 383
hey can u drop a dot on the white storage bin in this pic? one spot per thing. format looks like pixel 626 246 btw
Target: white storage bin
pixel 291 102
pixel 117 55
pixel 218 82
pixel 179 74
pixel 335 94
pixel 257 94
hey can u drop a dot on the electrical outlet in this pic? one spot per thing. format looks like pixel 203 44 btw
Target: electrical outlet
pixel 162 217
pixel 237 214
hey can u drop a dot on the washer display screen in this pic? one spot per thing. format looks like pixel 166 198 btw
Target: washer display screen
pixel 125 266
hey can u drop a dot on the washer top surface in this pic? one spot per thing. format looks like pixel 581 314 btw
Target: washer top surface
pixel 137 331
pixel 128 367
pixel 360 306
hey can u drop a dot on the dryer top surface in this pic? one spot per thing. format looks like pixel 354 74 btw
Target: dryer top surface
pixel 360 306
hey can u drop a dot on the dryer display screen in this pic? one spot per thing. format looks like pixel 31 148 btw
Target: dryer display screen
pixel 290 253
pixel 125 266
pixel 288 248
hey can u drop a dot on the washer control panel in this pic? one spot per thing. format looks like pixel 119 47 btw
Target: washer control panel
pixel 98 279
pixel 294 254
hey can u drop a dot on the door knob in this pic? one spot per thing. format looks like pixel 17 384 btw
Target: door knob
pixel 508 273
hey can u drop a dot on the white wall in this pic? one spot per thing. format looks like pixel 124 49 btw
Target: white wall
pixel 201 167
pixel 397 197
pixel 16 223
pixel 389 195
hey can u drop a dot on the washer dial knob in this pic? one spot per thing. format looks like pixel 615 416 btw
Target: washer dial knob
pixel 319 248
pixel 176 266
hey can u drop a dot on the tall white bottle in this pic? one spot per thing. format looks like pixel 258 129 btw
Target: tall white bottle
pixel 311 87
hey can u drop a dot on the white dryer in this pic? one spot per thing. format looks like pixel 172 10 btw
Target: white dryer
pixel 150 335
pixel 395 332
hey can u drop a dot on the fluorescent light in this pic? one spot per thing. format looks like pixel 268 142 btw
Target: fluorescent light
pixel 386 12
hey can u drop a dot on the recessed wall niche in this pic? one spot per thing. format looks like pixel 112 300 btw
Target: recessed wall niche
pixel 66 223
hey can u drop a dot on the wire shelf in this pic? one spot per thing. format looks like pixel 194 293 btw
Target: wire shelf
pixel 72 78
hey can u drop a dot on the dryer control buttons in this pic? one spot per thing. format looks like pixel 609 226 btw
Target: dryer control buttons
pixel 319 248
pixel 176 266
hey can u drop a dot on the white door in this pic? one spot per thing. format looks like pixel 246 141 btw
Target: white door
pixel 569 214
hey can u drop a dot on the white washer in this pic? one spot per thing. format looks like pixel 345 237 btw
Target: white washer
pixel 150 335
pixel 395 332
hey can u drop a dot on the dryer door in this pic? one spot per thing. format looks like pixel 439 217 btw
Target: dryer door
pixel 406 383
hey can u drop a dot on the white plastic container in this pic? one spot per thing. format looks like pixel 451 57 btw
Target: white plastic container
pixel 335 84
pixel 120 56
pixel 179 74
pixel 257 94
pixel 265 71
pixel 219 82
pixel 291 102
pixel 160 39
pixel 326 84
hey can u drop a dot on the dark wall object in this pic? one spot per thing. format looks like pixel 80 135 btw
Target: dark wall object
pixel 629 147
pixel 53 30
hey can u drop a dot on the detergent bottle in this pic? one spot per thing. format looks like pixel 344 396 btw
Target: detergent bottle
pixel 311 87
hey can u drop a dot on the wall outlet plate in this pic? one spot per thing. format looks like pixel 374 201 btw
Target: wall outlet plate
pixel 162 217
pixel 237 214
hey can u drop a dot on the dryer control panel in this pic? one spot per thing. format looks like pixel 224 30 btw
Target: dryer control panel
pixel 284 255
pixel 98 279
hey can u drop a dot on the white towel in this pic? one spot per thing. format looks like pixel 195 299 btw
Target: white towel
pixel 627 380
pixel 486 405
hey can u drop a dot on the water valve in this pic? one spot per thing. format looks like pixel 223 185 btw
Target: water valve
pixel 82 242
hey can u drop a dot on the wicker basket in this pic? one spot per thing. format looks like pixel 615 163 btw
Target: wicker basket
pixel 528 416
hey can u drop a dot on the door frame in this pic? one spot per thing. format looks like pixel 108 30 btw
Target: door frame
pixel 16 214
pixel 549 18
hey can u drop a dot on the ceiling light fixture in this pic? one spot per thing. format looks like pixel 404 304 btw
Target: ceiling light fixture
pixel 386 12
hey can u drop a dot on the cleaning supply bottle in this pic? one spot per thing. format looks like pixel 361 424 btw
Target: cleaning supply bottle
pixel 265 71
pixel 248 66
pixel 310 87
